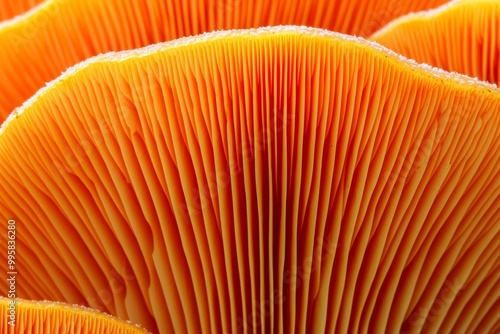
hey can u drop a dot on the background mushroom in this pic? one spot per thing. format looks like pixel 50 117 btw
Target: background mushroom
pixel 461 36
pixel 37 47
pixel 10 9
pixel 51 317
pixel 279 179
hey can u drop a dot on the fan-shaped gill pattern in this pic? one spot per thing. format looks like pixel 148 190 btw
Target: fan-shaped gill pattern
pixel 52 317
pixel 61 33
pixel 462 36
pixel 286 180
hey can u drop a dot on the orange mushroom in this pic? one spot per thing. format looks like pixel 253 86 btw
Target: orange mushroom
pixel 23 316
pixel 282 179
pixel 462 36
pixel 10 9
pixel 61 33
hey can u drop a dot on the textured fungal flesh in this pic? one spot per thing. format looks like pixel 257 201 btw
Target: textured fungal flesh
pixel 286 179
pixel 60 33
pixel 462 36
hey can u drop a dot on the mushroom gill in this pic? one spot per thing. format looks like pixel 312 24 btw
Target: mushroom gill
pixel 462 36
pixel 61 33
pixel 282 179
pixel 56 317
